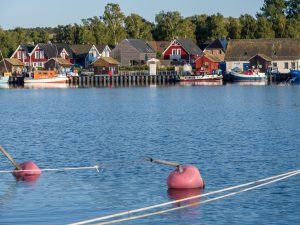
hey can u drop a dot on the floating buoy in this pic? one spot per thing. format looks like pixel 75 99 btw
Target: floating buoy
pixel 185 177
pixel 27 169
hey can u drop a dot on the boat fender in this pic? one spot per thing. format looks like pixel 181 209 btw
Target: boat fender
pixel 31 169
pixel 184 177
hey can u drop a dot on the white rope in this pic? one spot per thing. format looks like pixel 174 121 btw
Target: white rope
pixel 96 167
pixel 273 178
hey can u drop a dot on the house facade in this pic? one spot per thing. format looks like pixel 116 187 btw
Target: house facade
pixel 206 63
pixel 279 55
pixel 182 50
pixel 35 56
pixel 132 52
pixel 58 64
pixel 84 55
pixel 217 48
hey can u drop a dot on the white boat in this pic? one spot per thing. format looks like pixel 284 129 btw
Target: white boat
pixel 46 77
pixel 4 79
pixel 57 79
pixel 250 75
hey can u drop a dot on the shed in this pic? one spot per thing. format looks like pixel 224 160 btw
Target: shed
pixel 58 64
pixel 207 63
pixel 106 65
pixel 15 66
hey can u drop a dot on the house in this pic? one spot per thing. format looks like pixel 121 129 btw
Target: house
pixel 106 65
pixel 132 52
pixel 86 54
pixel 14 66
pixel 58 64
pixel 281 54
pixel 217 48
pixel 207 63
pixel 34 56
pixel 159 47
pixel 182 50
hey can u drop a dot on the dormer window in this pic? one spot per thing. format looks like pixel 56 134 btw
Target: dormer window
pixel 36 55
pixel 41 54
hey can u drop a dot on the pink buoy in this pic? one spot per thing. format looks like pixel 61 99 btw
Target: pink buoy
pixel 185 177
pixel 32 169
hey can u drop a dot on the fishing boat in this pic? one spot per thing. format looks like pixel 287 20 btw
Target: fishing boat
pixel 295 76
pixel 203 77
pixel 250 75
pixel 46 77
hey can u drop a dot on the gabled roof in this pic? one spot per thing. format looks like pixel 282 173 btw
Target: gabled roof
pixel 275 49
pixel 262 56
pixel 49 49
pixel 140 45
pixel 61 61
pixel 103 61
pixel 219 43
pixel 101 48
pixel 62 46
pixel 159 46
pixel 25 47
pixel 189 46
pixel 13 61
pixel 81 50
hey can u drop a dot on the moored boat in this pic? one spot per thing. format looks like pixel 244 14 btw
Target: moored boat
pixel 46 77
pixel 203 77
pixel 250 75
pixel 295 76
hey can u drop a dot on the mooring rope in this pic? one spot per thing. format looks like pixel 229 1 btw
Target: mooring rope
pixel 96 167
pixel 129 213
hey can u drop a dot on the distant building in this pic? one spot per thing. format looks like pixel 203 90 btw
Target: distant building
pixel 84 55
pixel 14 66
pixel 159 46
pixel 206 63
pixel 217 48
pixel 58 64
pixel 132 52
pixel 106 65
pixel 281 54
pixel 182 50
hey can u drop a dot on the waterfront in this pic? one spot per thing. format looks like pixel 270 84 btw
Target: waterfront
pixel 232 133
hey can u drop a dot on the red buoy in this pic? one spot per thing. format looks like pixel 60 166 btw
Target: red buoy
pixel 185 177
pixel 31 169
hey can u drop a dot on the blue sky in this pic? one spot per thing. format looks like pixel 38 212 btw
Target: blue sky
pixel 44 13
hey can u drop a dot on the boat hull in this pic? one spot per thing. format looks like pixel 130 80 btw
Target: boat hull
pixel 295 76
pixel 55 80
pixel 247 77
pixel 206 78
pixel 4 80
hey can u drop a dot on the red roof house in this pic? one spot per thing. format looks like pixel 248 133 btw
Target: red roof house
pixel 207 63
pixel 182 50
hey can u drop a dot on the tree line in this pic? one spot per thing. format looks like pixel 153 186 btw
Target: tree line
pixel 276 19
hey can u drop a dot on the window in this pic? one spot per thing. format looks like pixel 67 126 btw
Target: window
pixel 275 65
pixel 19 55
pixel 36 55
pixel 24 55
pixel 179 51
pixel 40 64
pixel 41 54
pixel 286 65
pixel 174 51
pixel 293 65
pixel 34 64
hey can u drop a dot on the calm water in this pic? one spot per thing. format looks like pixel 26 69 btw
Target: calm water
pixel 233 133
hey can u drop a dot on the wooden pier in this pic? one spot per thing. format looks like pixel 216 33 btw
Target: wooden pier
pixel 122 80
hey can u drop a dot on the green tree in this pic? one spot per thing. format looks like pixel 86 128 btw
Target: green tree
pixel 216 26
pixel 201 30
pixel 166 25
pixel 137 27
pixel 293 9
pixel 264 28
pixel 248 26
pixel 186 29
pixel 292 28
pixel 234 28
pixel 114 20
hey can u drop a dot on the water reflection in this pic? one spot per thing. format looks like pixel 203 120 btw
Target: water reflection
pixel 46 85
pixel 4 86
pixel 177 194
pixel 31 179
pixel 202 83
pixel 252 83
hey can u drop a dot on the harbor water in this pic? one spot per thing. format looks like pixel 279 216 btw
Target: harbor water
pixel 234 134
